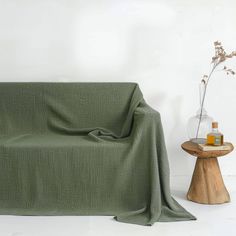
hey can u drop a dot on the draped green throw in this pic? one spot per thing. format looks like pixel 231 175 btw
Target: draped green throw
pixel 83 149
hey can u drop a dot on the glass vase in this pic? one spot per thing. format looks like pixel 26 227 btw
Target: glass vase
pixel 204 127
pixel 197 132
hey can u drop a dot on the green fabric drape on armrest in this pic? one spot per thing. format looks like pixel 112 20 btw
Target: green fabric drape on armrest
pixel 148 132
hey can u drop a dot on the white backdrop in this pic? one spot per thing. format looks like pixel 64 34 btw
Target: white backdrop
pixel 164 45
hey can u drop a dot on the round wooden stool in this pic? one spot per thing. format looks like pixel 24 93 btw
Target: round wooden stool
pixel 207 185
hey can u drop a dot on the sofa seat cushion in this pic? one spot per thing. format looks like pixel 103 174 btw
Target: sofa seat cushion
pixel 59 175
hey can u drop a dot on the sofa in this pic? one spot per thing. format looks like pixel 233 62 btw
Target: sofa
pixel 83 149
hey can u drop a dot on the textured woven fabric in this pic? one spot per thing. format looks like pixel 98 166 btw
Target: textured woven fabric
pixel 83 149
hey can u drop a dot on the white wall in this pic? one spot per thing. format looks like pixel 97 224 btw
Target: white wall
pixel 164 45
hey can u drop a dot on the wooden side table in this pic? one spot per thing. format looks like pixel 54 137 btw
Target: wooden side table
pixel 207 185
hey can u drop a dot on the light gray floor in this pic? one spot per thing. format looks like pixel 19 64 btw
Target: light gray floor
pixel 214 220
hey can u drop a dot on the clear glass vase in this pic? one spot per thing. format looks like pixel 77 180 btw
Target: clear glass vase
pixel 195 134
pixel 204 128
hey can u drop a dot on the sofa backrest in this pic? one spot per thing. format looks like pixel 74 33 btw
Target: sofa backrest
pixel 41 107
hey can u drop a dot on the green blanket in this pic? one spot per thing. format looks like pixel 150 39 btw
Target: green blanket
pixel 83 149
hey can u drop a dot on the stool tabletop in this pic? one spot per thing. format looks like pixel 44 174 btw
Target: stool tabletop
pixel 193 149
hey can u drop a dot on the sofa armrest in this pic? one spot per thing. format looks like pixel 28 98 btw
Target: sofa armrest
pixel 145 110
pixel 148 126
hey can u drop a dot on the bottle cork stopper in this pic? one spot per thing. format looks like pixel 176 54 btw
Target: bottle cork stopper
pixel 214 125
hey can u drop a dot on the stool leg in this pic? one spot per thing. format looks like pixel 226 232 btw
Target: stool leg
pixel 207 185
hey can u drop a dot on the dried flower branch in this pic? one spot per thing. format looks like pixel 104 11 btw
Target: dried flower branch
pixel 219 57
pixel 228 71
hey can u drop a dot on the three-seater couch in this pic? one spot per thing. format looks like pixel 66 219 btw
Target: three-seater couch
pixel 83 149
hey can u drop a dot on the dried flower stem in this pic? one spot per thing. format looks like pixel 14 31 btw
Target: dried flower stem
pixel 219 57
pixel 203 98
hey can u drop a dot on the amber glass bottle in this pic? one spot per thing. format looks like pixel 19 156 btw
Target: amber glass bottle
pixel 215 138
